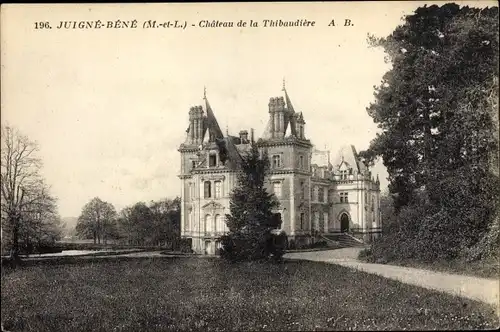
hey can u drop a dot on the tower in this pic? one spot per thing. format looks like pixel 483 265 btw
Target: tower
pixel 289 154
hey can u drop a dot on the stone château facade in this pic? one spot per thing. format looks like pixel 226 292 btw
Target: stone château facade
pixel 317 196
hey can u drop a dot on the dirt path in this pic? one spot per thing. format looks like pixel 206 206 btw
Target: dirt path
pixel 485 290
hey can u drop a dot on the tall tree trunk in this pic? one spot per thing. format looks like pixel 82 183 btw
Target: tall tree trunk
pixel 15 239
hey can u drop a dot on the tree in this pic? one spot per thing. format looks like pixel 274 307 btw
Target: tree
pixel 155 224
pixel 435 110
pixel 166 216
pixel 27 208
pixel 97 221
pixel 251 219
pixel 41 221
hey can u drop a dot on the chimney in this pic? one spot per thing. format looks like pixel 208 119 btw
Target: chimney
pixel 251 135
pixel 244 136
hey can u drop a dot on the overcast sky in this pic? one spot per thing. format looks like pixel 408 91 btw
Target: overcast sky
pixel 109 107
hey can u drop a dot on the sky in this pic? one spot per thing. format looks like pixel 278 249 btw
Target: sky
pixel 109 107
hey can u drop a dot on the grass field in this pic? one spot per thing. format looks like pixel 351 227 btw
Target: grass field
pixel 163 294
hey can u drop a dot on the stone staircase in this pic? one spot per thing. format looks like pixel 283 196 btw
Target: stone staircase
pixel 343 240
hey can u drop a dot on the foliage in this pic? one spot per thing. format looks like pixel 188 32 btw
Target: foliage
pixel 123 294
pixel 251 217
pixel 156 223
pixel 28 211
pixel 97 221
pixel 436 110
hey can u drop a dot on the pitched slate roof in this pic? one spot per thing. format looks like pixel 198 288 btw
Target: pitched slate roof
pixel 348 154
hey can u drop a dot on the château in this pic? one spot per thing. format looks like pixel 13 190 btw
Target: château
pixel 318 195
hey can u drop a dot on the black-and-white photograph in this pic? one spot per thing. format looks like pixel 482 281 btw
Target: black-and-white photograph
pixel 322 166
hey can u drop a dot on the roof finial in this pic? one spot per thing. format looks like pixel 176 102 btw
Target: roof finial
pixel 284 83
pixel 227 130
pixel 204 92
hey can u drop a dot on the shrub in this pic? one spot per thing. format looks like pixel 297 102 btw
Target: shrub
pixel 257 243
pixel 488 246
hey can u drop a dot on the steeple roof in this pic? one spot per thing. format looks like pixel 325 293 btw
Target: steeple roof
pixel 347 154
pixel 212 126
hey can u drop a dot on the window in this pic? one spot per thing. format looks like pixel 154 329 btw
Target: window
pixel 373 203
pixel 301 162
pixel 193 164
pixel 344 198
pixel 219 224
pixel 325 193
pixel 208 189
pixel 303 190
pixel 302 220
pixel 189 221
pixel 277 189
pixel 325 220
pixel 208 223
pixel 276 161
pixel 212 160
pixel 343 174
pixel 315 194
pixel 321 195
pixel 316 221
pixel 218 189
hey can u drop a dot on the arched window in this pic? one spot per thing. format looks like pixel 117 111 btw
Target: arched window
pixel 219 224
pixel 208 224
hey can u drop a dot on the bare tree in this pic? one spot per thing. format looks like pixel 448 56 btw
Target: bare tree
pixel 22 187
pixel 40 220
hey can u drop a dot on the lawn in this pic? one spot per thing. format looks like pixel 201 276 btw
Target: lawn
pixel 172 294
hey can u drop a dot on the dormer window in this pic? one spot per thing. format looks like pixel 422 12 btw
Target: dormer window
pixel 344 174
pixel 212 160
